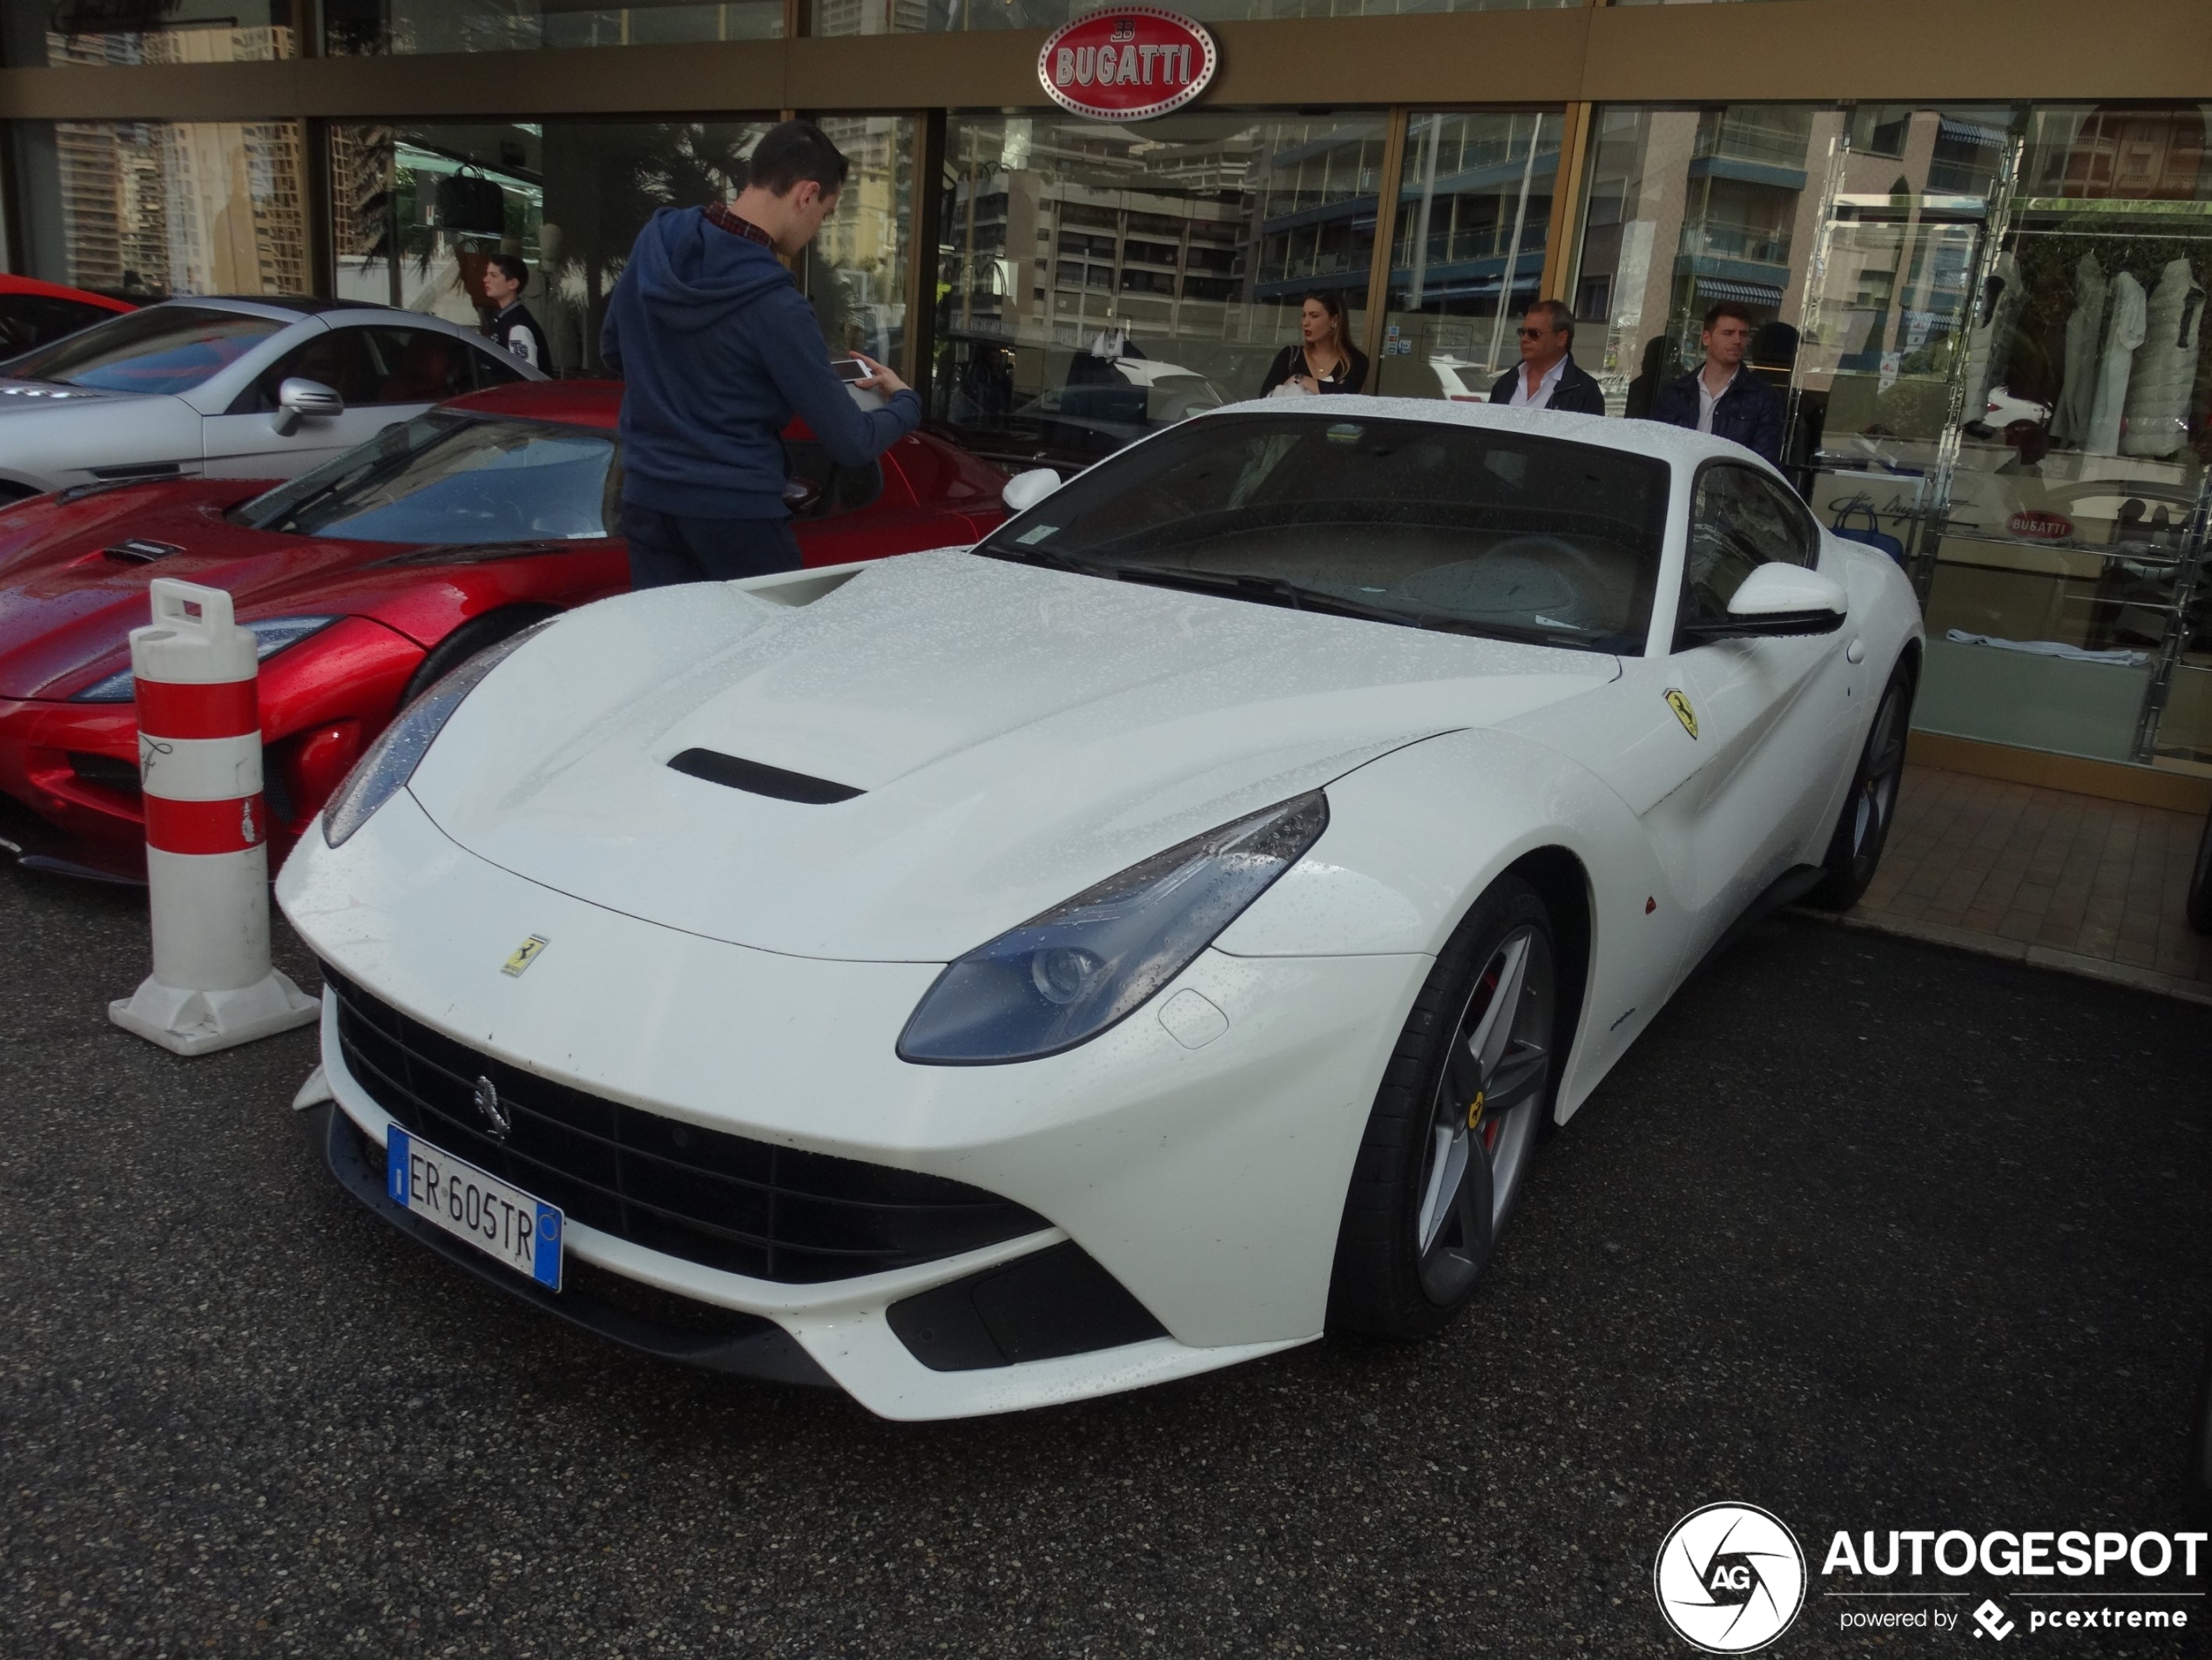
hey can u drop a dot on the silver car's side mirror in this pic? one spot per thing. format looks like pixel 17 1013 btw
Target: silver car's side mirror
pixel 300 400
pixel 1024 490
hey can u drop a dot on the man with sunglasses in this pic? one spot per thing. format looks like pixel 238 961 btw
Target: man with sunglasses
pixel 1548 377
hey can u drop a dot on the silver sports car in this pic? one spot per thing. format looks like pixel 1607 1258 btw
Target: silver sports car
pixel 228 388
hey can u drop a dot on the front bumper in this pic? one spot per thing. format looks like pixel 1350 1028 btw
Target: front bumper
pixel 1206 1182
pixel 744 1345
pixel 60 819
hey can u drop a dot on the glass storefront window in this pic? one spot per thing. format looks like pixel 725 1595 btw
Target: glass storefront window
pixel 398 28
pixel 42 34
pixel 855 271
pixel 1098 281
pixel 952 16
pixel 417 209
pixel 145 209
pixel 1468 252
pixel 1987 322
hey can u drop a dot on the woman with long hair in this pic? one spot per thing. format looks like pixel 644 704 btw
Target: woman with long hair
pixel 1323 359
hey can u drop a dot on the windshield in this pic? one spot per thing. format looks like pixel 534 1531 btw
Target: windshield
pixel 163 349
pixel 1473 528
pixel 450 479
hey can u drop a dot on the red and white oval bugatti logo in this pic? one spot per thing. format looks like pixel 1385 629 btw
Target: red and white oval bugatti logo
pixel 1128 65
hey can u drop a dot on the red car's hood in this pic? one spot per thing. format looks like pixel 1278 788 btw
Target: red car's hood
pixel 67 604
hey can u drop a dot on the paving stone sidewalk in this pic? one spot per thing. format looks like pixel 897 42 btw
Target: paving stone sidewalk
pixel 2043 876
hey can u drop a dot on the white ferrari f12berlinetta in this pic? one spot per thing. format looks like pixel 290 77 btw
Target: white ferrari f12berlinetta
pixel 1151 938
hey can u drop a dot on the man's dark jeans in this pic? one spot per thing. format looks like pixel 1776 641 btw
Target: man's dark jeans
pixel 665 549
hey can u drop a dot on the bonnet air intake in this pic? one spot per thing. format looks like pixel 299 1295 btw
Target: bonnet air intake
pixel 753 777
pixel 141 551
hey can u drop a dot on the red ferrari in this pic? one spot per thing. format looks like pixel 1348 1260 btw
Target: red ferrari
pixel 365 580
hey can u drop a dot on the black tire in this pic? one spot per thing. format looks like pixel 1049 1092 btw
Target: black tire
pixel 2200 909
pixel 1454 1129
pixel 477 634
pixel 1862 829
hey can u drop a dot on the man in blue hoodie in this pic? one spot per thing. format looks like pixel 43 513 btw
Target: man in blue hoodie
pixel 719 349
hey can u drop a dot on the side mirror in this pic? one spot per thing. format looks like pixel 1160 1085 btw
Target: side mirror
pixel 1777 600
pixel 298 400
pixel 1024 490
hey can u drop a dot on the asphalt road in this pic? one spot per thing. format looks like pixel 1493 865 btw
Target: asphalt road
pixel 1865 1233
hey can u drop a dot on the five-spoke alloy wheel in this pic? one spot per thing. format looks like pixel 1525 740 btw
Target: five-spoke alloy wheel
pixel 1455 1125
pixel 1855 851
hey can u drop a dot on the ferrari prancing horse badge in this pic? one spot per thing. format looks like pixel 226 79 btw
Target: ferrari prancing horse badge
pixel 525 954
pixel 1683 713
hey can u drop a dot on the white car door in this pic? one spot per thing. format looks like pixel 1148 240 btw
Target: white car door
pixel 1768 718
pixel 384 372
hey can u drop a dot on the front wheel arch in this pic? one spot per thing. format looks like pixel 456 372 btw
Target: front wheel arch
pixel 479 633
pixel 1392 1234
pixel 1562 882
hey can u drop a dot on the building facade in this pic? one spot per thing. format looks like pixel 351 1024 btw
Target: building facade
pixel 1975 238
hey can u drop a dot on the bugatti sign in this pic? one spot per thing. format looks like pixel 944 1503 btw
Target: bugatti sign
pixel 1126 65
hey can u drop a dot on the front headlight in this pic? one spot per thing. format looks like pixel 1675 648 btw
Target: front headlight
pixel 270 637
pixel 391 760
pixel 1061 978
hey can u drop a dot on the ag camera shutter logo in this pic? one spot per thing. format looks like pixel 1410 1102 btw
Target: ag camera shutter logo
pixel 1729 1578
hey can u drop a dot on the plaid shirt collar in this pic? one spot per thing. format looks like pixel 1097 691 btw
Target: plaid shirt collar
pixel 718 214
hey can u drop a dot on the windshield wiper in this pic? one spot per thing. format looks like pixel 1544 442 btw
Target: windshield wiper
pixel 1282 590
pixel 1022 555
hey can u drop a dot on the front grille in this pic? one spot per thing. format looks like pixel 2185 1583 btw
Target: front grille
pixel 106 770
pixel 748 1207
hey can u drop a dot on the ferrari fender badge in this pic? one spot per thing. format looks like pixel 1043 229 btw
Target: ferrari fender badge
pixel 1683 713
pixel 524 954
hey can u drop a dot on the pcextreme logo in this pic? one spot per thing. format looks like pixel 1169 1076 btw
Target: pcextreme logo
pixel 1729 1578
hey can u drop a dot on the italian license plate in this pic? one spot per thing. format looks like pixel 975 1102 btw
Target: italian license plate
pixel 506 1224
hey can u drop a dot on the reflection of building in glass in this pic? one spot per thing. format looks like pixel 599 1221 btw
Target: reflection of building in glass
pixel 1056 228
pixel 1467 249
pixel 1099 281
pixel 81 32
pixel 961 17
pixel 377 28
pixel 854 272
pixel 181 207
pixel 870 17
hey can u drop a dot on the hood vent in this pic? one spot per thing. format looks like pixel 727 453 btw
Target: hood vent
pixel 751 776
pixel 141 551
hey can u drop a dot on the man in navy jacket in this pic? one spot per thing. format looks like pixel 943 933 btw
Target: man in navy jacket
pixel 1548 377
pixel 719 349
pixel 1721 396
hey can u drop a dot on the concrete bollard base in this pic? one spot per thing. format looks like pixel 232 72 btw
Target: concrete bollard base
pixel 197 1022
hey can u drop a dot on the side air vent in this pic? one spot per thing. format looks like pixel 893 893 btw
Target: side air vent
pixel 138 470
pixel 141 551
pixel 751 776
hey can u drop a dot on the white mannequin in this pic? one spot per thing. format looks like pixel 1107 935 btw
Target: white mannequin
pixel 2083 329
pixel 2165 367
pixel 2125 331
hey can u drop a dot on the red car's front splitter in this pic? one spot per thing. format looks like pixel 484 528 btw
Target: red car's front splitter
pixel 69 772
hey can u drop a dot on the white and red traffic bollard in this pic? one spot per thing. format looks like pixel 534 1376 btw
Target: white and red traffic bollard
pixel 207 853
